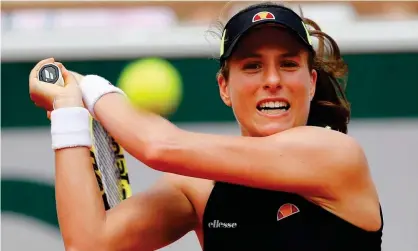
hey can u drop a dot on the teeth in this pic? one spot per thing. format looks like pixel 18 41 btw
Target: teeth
pixel 273 111
pixel 276 104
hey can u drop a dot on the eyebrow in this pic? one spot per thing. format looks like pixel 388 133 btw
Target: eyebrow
pixel 290 54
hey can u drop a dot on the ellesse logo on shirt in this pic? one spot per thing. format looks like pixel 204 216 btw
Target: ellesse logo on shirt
pixel 219 224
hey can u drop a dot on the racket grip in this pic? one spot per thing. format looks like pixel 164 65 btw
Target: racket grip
pixel 51 73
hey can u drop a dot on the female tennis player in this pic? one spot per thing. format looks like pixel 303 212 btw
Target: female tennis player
pixel 294 180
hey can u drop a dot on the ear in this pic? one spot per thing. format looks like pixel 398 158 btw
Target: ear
pixel 223 90
pixel 314 77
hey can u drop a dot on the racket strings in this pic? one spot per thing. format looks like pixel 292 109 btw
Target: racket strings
pixel 107 163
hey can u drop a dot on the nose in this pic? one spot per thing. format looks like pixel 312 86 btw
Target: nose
pixel 272 79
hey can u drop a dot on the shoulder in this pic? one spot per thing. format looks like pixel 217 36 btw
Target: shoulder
pixel 350 180
pixel 341 154
pixel 333 142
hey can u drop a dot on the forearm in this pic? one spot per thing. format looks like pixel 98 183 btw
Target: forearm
pixel 80 208
pixel 141 133
pixel 162 146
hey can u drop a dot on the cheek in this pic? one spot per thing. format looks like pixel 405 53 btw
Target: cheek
pixel 299 85
pixel 242 89
pixel 242 96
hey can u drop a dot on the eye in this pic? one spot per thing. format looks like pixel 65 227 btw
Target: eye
pixel 289 64
pixel 252 66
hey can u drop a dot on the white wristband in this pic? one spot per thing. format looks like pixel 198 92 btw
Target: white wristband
pixel 93 87
pixel 70 127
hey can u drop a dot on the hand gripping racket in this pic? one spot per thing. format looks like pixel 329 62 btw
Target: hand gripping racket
pixel 107 156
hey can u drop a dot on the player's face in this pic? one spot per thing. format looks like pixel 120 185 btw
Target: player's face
pixel 270 85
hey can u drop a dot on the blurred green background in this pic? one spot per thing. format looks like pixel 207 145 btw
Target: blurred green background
pixel 380 85
pixel 378 41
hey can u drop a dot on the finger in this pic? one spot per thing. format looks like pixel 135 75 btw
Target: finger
pixel 60 65
pixel 48 88
pixel 45 93
pixel 48 115
pixel 69 79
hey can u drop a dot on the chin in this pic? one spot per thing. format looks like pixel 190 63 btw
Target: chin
pixel 272 128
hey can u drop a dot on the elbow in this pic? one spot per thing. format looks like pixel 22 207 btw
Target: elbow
pixel 87 243
pixel 153 154
pixel 160 151
pixel 75 248
pixel 78 248
pixel 86 246
pixel 89 247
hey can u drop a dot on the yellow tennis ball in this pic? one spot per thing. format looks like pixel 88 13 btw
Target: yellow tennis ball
pixel 153 84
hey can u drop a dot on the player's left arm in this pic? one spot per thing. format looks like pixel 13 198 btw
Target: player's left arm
pixel 307 160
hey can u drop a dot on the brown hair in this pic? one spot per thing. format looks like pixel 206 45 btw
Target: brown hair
pixel 329 106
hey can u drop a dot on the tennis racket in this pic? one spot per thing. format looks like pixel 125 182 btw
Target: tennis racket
pixel 107 156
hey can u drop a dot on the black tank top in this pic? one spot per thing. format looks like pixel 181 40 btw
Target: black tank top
pixel 243 218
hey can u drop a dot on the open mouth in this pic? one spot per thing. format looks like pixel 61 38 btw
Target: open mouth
pixel 273 107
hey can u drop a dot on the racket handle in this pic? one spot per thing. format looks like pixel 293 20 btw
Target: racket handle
pixel 50 73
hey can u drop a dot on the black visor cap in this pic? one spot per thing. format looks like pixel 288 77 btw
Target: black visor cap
pixel 244 21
